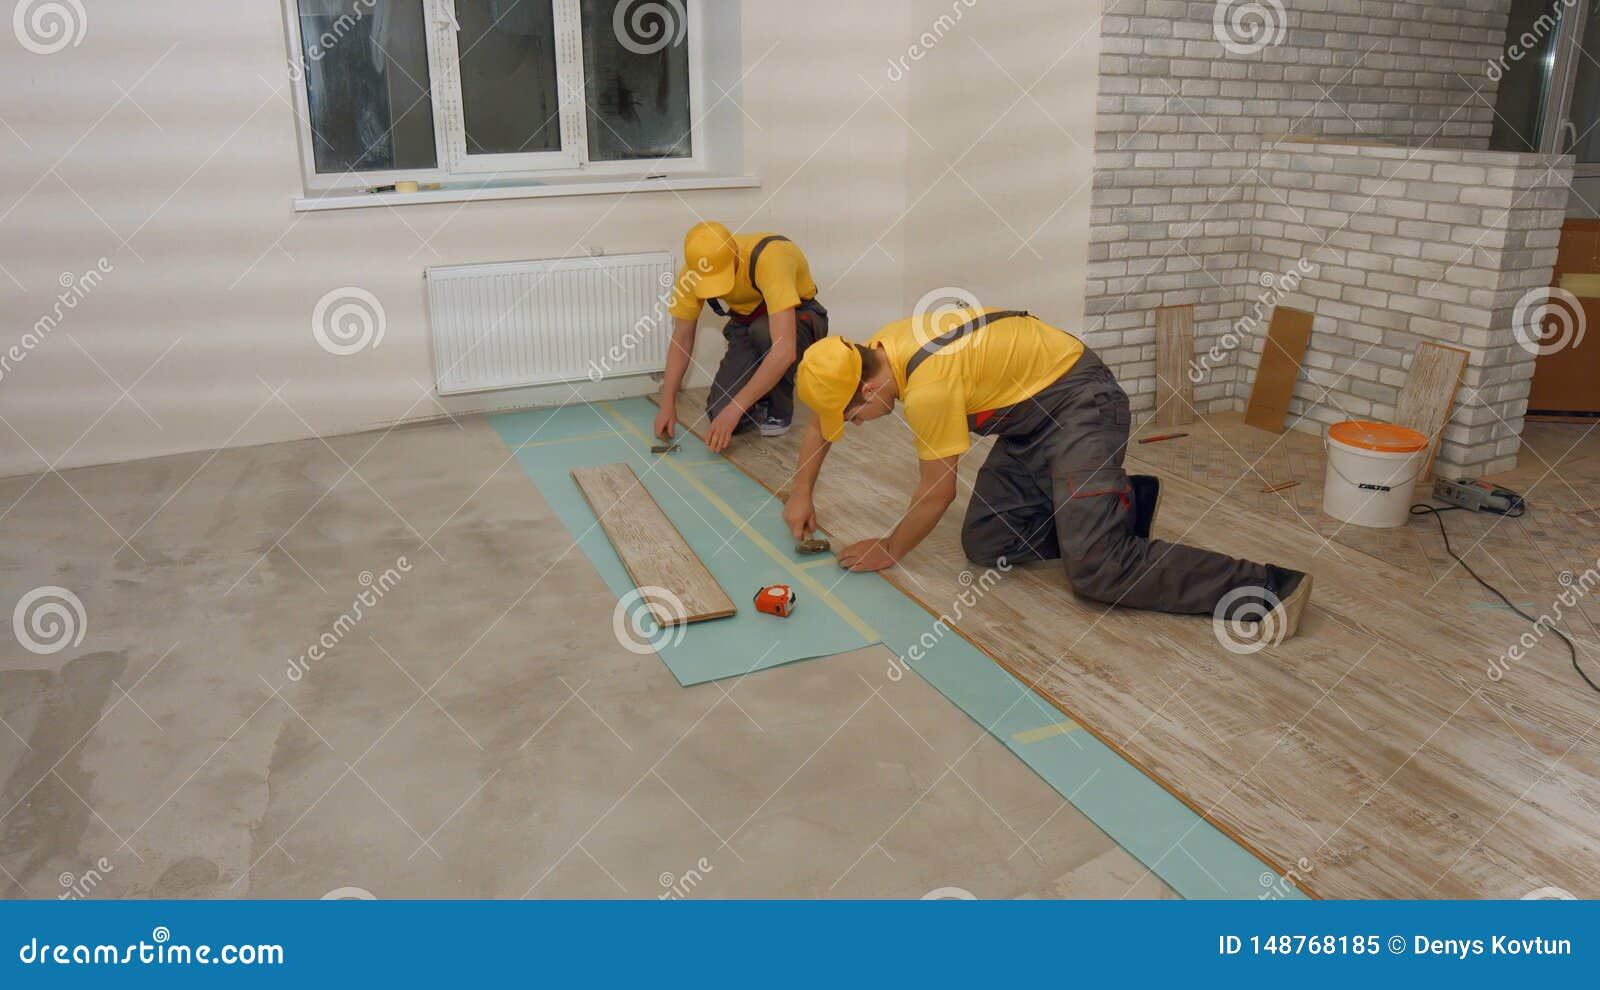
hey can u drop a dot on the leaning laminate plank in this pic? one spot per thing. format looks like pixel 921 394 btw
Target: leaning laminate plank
pixel 1287 336
pixel 654 552
pixel 1429 392
pixel 1174 351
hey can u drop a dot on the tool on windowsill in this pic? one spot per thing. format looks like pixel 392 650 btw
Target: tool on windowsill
pixel 405 187
pixel 775 599
pixel 1162 436
pixel 809 547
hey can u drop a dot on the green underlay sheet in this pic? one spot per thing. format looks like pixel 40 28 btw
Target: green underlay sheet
pixel 731 522
pixel 736 528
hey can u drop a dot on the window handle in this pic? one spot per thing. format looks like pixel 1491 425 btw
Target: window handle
pixel 1571 131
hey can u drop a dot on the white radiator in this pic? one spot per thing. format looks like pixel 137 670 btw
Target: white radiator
pixel 518 323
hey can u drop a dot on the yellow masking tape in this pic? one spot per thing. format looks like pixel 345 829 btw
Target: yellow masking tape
pixel 797 570
pixel 1045 732
pixel 551 443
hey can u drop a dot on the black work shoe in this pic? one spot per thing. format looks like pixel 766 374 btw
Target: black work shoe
pixel 1293 591
pixel 1146 499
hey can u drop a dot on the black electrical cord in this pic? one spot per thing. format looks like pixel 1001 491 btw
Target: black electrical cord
pixel 1438 516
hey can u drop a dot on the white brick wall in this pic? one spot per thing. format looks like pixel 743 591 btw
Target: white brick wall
pixel 1198 197
pixel 1407 245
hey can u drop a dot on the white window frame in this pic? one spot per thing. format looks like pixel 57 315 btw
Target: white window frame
pixel 1557 130
pixel 455 166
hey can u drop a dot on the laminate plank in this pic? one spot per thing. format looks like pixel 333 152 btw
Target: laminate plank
pixel 1174 352
pixel 1372 755
pixel 1287 335
pixel 1429 393
pixel 653 551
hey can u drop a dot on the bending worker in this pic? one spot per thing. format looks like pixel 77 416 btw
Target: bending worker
pixel 1053 485
pixel 762 284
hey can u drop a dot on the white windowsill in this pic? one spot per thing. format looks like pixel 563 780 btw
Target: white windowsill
pixel 460 192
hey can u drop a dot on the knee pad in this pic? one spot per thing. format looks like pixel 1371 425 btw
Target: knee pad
pixel 979 551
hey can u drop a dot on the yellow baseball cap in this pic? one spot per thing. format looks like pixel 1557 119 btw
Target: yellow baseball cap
pixel 826 381
pixel 710 253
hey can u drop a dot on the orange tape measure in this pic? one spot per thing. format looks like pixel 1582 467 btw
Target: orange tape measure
pixel 775 599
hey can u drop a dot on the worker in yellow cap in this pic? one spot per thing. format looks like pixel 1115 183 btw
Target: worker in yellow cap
pixel 762 284
pixel 1052 487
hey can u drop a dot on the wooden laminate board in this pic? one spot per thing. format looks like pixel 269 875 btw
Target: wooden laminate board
pixel 1287 335
pixel 1174 351
pixel 1371 756
pixel 654 552
pixel 1429 392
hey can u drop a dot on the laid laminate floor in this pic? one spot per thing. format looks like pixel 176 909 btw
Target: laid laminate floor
pixel 1372 755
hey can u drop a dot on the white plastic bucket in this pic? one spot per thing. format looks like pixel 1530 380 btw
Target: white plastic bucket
pixel 1372 469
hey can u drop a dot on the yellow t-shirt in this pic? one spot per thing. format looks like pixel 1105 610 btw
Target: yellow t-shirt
pixel 1001 364
pixel 783 282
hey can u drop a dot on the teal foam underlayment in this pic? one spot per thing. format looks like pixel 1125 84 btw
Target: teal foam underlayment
pixel 708 499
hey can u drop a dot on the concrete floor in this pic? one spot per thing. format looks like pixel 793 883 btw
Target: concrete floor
pixel 476 732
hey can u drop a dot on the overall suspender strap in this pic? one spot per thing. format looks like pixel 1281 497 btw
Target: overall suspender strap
pixel 755 257
pixel 949 337
pixel 755 253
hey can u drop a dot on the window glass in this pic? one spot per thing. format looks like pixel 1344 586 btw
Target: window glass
pixel 1524 71
pixel 636 73
pixel 1585 112
pixel 367 84
pixel 508 76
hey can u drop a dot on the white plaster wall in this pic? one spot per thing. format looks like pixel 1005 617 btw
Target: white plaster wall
pixel 165 143
pixel 1001 150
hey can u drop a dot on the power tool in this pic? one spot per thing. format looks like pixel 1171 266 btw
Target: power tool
pixel 1479 496
pixel 775 599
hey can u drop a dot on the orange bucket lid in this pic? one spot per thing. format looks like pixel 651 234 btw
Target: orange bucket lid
pixel 1385 437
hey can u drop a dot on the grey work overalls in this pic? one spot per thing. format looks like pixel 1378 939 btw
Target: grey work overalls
pixel 1054 487
pixel 749 338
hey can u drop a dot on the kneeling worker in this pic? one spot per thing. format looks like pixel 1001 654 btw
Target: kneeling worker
pixel 1053 485
pixel 762 284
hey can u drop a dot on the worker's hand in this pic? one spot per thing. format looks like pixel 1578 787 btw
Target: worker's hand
pixel 666 419
pixel 801 516
pixel 721 433
pixel 868 555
